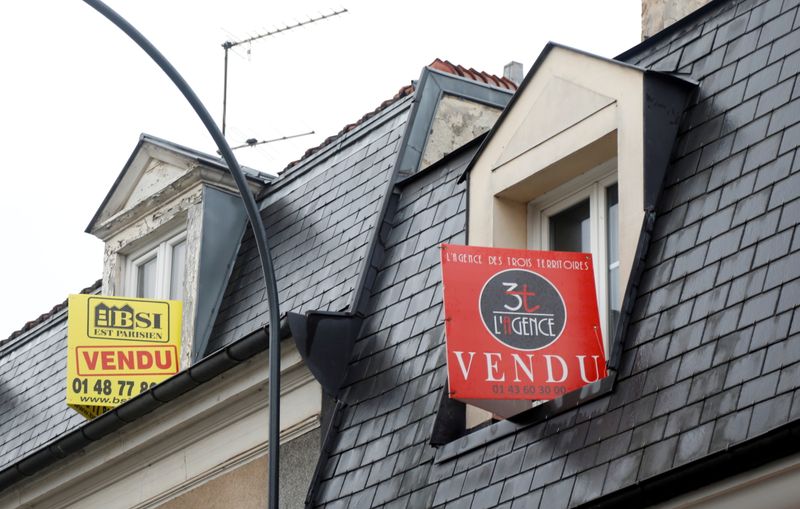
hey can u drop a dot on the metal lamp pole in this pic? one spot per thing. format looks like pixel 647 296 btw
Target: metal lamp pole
pixel 256 223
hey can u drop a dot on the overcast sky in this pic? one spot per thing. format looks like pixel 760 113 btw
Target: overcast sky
pixel 76 93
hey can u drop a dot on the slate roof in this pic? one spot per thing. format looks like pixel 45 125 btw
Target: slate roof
pixel 33 374
pixel 319 218
pixel 711 357
pixel 381 452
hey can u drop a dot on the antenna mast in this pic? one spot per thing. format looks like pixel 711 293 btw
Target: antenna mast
pixel 227 45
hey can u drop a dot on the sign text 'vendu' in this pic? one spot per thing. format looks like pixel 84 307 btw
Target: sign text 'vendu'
pixel 118 348
pixel 520 324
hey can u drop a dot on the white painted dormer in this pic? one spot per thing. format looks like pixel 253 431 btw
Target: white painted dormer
pixel 172 223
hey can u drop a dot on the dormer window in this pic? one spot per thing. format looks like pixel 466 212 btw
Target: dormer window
pixel 575 163
pixel 172 224
pixel 158 272
pixel 582 216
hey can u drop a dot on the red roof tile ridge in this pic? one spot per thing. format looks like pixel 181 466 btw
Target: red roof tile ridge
pixel 46 316
pixel 473 74
pixel 403 92
pixel 439 65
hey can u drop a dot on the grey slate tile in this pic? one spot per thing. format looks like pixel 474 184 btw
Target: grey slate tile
pixel 730 429
pixel 449 489
pixel 759 228
pixel 532 499
pixel 648 433
pixel 580 460
pixel 622 472
pixel 758 307
pixel 789 296
pixel 758 389
pixel 745 368
pixel 771 330
pixel 557 495
pixel 548 473
pixel 507 466
pixel 693 444
pixel 731 30
pixel 683 419
pixel 479 477
pixel 709 303
pixel 649 354
pixel 751 283
pixel 588 485
pixel 762 80
pixel 769 414
pixel 487 497
pixel 538 453
pixel 782 353
pixel 516 486
pixel 657 456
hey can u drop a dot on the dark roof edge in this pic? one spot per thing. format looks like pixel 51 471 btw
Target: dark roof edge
pixel 670 30
pixel 347 138
pixel 203 371
pixel 631 291
pixel 43 319
pixel 368 271
pixel 773 445
pixel 331 432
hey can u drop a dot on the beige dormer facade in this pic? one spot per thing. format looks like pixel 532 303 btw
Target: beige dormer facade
pixel 574 163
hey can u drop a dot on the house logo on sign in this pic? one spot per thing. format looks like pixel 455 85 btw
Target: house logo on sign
pixel 112 318
pixel 522 309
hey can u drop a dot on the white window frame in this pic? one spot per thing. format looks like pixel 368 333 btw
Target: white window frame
pixel 592 185
pixel 161 250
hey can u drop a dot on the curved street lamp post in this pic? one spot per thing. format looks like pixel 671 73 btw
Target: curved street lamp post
pixel 256 223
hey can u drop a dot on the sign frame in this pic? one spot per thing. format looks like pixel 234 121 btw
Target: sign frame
pixel 118 348
pixel 520 325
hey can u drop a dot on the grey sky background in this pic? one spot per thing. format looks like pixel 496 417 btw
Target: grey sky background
pixel 76 93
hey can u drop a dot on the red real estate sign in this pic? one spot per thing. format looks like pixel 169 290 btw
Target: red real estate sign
pixel 520 324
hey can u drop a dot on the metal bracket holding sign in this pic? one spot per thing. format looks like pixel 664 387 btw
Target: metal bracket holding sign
pixel 118 348
pixel 520 325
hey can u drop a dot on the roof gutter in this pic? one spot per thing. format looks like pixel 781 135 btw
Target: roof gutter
pixel 771 446
pixel 205 370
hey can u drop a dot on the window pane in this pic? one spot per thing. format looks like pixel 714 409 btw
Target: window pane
pixel 146 279
pixel 570 229
pixel 612 232
pixel 177 271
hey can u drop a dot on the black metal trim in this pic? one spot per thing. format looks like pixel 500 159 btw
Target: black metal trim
pixel 523 420
pixel 325 341
pixel 207 369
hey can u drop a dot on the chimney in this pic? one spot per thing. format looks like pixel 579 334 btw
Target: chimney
pixel 659 14
pixel 513 72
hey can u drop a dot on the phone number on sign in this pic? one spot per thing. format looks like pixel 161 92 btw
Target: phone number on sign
pixel 106 387
pixel 533 390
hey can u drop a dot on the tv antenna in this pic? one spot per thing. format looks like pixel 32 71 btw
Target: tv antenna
pixel 227 45
pixel 253 142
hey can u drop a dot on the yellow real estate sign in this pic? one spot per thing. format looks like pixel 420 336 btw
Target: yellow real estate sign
pixel 118 348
